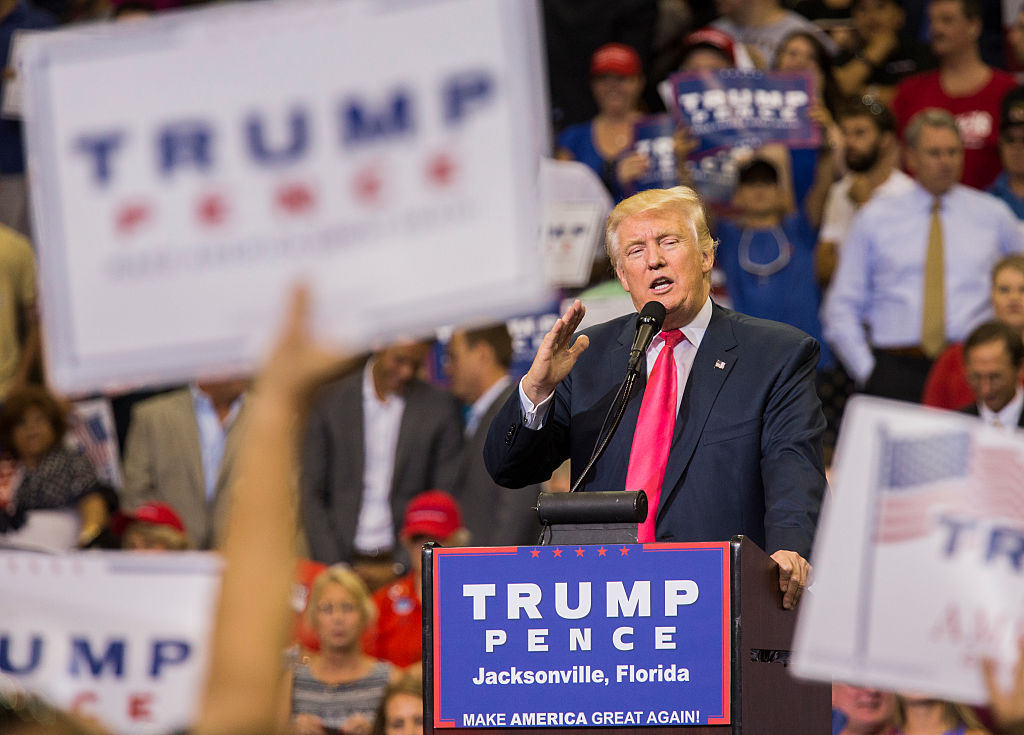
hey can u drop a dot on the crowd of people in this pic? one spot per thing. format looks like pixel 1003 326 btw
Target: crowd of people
pixel 896 243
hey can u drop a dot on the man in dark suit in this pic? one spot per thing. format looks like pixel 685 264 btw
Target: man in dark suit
pixel 374 440
pixel 994 361
pixel 478 363
pixel 745 452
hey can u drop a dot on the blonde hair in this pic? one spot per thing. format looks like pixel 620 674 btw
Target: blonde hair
pixel 159 535
pixel 1015 261
pixel 344 577
pixel 681 198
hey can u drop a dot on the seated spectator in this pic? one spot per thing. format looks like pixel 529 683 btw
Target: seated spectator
pixel 864 711
pixel 1009 185
pixel 964 85
pixel 339 687
pixel 947 385
pixel 397 635
pixel 180 450
pixel 401 710
pixel 48 475
pixel 994 358
pixel 768 255
pixel 925 716
pixel 882 56
pixel 813 170
pixel 616 81
pixel 151 527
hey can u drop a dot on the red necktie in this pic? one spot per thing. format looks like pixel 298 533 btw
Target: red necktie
pixel 653 436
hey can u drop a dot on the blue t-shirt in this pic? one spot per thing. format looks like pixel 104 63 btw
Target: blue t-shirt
pixel 579 141
pixel 770 274
pixel 1001 188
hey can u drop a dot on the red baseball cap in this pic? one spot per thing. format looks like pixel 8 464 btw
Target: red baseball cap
pixel 157 514
pixel 712 38
pixel 434 513
pixel 615 58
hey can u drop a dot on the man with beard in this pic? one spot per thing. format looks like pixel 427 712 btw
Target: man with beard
pixel 871 152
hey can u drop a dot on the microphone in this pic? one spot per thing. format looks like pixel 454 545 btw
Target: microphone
pixel 652 316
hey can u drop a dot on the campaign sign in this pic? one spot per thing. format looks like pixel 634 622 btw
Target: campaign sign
pixel 568 636
pixel 116 636
pixel 652 136
pixel 919 563
pixel 188 170
pixel 733 112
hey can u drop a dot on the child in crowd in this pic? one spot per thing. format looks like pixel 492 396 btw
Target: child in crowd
pixel 767 254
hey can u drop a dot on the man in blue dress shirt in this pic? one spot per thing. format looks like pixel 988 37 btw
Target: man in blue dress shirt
pixel 934 244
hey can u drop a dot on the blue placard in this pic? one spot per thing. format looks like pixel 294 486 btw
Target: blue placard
pixel 574 635
pixel 652 136
pixel 733 112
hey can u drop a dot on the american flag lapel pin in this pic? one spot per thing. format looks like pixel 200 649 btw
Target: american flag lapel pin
pixel 720 364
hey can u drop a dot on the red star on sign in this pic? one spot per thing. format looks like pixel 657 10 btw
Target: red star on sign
pixel 557 552
pixel 366 185
pixel 534 553
pixel 624 551
pixel 130 217
pixel 440 169
pixel 579 551
pixel 295 198
pixel 602 551
pixel 211 209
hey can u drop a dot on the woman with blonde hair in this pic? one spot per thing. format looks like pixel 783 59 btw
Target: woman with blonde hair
pixel 339 688
pixel 925 716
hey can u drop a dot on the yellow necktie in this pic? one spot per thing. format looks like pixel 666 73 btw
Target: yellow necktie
pixel 933 321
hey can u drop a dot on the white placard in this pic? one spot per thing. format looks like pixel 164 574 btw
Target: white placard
pixel 919 564
pixel 187 169
pixel 122 637
pixel 570 238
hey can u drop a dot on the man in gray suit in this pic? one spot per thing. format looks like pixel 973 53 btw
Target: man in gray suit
pixel 374 440
pixel 180 450
pixel 478 362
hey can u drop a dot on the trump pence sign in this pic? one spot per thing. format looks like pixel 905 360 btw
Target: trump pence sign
pixel 186 170
pixel 566 636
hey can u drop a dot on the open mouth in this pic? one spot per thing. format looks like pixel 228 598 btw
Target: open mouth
pixel 660 285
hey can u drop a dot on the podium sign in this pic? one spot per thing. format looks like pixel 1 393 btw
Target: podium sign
pixel 613 635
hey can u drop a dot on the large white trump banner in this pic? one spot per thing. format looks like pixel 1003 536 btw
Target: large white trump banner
pixel 919 565
pixel 116 636
pixel 186 170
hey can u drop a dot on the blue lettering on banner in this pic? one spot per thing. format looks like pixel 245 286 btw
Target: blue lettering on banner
pixel 7 664
pixel 113 657
pixel 566 630
pixel 191 144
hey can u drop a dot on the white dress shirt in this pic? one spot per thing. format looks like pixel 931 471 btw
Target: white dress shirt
pixel 213 435
pixel 375 529
pixel 481 404
pixel 1008 417
pixel 684 354
pixel 880 279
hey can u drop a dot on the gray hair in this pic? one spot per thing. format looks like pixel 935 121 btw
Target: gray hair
pixel 931 117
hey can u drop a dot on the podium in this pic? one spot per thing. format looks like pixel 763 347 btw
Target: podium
pixel 743 606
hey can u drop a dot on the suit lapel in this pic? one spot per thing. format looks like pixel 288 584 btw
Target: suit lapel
pixel 712 364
